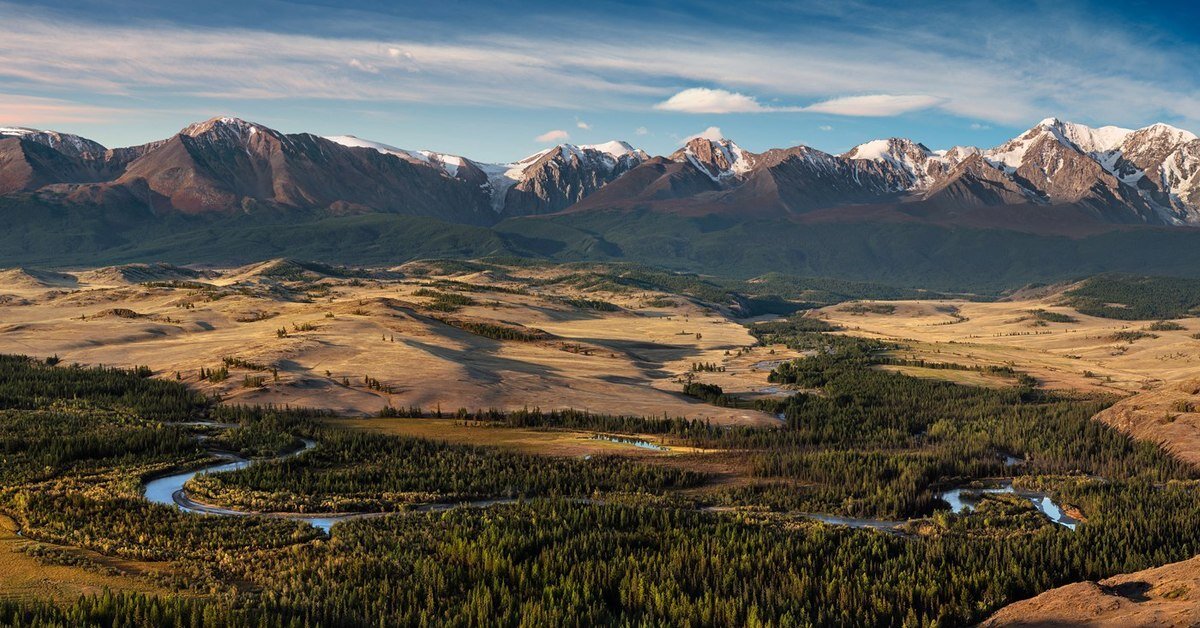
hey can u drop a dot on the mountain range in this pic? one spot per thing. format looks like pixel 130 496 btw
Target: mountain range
pixel 72 200
pixel 1110 174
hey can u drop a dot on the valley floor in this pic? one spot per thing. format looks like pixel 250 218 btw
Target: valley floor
pixel 1158 375
pixel 423 339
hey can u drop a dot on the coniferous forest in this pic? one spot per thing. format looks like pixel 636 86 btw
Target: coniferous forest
pixel 602 540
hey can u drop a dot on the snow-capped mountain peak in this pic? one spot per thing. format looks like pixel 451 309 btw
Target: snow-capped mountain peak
pixel 65 142
pixel 449 165
pixel 1088 139
pixel 542 181
pixel 616 149
pixel 17 131
pixel 915 160
pixel 1163 163
pixel 719 158
pixel 357 142
pixel 354 141
pixel 227 128
pixel 1094 142
pixel 566 169
pixel 1168 133
pixel 886 149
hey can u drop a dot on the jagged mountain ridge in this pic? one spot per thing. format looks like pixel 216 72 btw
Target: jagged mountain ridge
pixel 231 165
pixel 1115 175
pixel 544 182
pixel 1110 175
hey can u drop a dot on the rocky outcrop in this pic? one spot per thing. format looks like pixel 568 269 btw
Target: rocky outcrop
pixel 563 176
pixel 1162 596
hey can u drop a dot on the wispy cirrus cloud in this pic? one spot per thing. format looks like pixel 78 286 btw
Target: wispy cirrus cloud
pixel 875 105
pixel 986 64
pixel 364 66
pixel 20 110
pixel 720 101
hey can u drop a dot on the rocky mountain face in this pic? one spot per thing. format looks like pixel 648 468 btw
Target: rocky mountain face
pixel 921 166
pixel 227 165
pixel 31 159
pixel 544 182
pixel 720 159
pixel 1109 174
pixel 563 176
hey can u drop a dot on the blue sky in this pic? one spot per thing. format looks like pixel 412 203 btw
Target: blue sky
pixel 487 79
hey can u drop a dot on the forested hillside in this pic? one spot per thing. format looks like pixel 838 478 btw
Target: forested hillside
pixel 607 540
pixel 961 259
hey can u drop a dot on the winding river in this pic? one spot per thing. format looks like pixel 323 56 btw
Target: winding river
pixel 961 500
pixel 169 490
pixel 629 440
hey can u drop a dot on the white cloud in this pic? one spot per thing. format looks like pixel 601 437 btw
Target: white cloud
pixel 583 125
pixel 825 127
pixel 711 133
pixel 718 101
pixel 874 105
pixel 641 130
pixel 1005 69
pixel 976 126
pixel 555 136
pixel 705 100
pixel 363 66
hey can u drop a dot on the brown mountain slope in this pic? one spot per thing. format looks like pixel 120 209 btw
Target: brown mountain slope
pixel 1162 596
pixel 27 165
pixel 658 179
pixel 566 175
pixel 226 164
pixel 974 183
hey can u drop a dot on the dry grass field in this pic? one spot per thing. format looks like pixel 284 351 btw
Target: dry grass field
pixel 306 338
pixel 548 442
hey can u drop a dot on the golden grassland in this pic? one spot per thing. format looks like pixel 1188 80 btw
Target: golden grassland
pixel 23 576
pixel 548 442
pixel 319 340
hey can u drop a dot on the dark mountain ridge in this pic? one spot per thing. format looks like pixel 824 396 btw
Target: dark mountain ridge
pixel 230 190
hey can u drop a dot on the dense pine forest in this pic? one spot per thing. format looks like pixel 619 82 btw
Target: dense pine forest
pixel 600 540
pixel 1134 297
